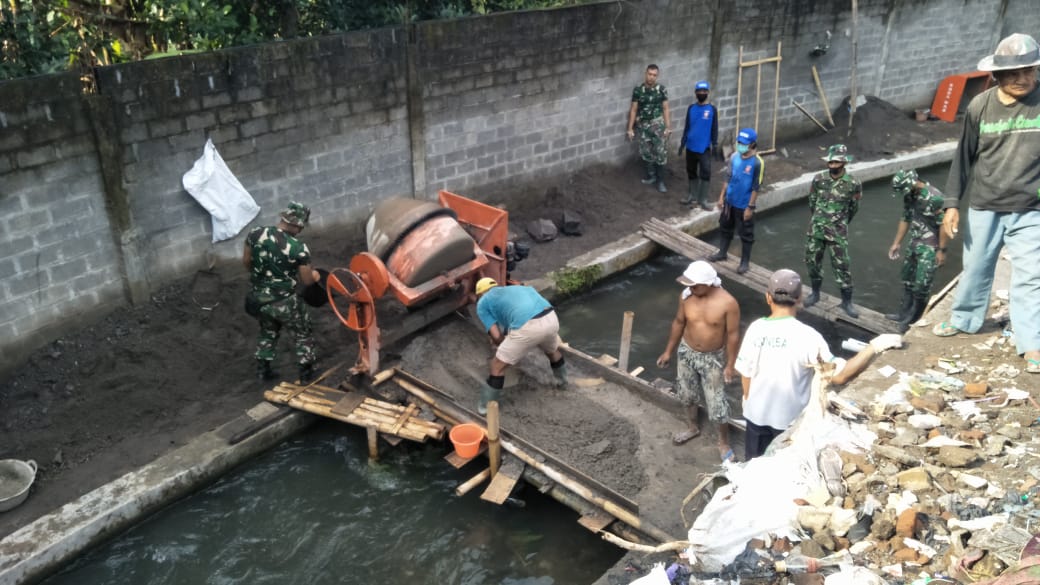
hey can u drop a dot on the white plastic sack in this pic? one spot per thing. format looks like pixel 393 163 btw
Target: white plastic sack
pixel 656 576
pixel 213 185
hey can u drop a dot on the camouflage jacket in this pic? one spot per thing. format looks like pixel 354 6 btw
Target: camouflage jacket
pixel 924 213
pixel 833 203
pixel 276 258
pixel 650 101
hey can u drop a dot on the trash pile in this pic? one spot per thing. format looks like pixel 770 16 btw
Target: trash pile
pixel 934 479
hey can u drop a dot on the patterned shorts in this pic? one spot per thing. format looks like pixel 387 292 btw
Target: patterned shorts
pixel 700 381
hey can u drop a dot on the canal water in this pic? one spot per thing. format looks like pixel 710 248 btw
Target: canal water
pixel 593 322
pixel 314 511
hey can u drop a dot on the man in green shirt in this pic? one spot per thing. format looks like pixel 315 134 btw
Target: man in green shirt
pixel 650 122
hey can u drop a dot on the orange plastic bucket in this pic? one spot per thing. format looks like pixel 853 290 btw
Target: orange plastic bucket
pixel 466 438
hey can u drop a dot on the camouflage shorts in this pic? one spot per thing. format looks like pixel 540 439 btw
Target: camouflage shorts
pixel 700 381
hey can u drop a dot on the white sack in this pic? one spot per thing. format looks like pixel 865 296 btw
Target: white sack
pixel 213 185
pixel 656 576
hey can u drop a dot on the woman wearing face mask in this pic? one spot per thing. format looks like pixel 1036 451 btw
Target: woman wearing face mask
pixel 737 199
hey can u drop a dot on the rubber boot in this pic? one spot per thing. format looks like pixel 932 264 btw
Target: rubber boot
pixel 917 307
pixel 487 394
pixel 745 258
pixel 904 307
pixel 264 371
pixel 660 180
pixel 306 372
pixel 690 193
pixel 651 176
pixel 813 297
pixel 723 250
pixel 846 303
pixel 702 195
pixel 560 376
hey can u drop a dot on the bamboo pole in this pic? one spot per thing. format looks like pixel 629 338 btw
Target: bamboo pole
pixel 758 95
pixel 811 117
pixel 494 446
pixel 675 545
pixel 823 96
pixel 776 92
pixel 740 79
pixel 626 340
pixel 855 47
pixel 373 443
pixel 468 485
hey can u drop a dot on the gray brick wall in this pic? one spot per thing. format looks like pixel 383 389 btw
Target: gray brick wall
pixel 499 100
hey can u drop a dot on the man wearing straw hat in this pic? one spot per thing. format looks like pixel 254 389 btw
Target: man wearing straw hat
pixel 997 168
pixel 276 259
pixel 518 320
pixel 706 330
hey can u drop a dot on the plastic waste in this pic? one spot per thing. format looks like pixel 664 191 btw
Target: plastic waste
pixel 797 563
pixel 853 345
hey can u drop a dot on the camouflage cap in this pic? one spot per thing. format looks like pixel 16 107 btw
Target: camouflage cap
pixel 903 181
pixel 839 153
pixel 296 214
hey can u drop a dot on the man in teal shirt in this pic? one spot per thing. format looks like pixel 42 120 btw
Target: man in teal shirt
pixel 517 319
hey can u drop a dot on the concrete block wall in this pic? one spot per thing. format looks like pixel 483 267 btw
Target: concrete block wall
pixel 470 105
pixel 57 252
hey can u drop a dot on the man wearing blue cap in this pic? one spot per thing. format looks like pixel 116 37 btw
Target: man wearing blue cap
pixel 700 140
pixel 737 199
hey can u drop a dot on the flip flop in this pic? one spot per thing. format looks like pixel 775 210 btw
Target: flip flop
pixel 1032 366
pixel 944 329
pixel 684 436
pixel 729 456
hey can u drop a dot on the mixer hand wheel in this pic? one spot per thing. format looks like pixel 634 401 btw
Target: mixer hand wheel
pixel 361 308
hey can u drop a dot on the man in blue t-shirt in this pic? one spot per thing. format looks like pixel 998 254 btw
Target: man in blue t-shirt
pixel 518 319
pixel 737 199
pixel 700 140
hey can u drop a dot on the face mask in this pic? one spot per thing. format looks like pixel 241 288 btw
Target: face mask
pixel 702 97
pixel 743 148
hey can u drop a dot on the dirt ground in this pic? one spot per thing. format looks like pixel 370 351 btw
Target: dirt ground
pixel 101 401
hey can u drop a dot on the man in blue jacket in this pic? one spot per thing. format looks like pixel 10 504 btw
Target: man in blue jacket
pixel 700 140
pixel 737 199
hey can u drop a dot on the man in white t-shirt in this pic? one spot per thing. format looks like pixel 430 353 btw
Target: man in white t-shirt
pixel 775 361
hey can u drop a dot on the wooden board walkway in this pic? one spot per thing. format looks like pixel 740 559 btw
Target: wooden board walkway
pixel 757 278
pixel 357 409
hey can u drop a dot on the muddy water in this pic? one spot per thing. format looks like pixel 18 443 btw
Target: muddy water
pixel 314 511
pixel 593 322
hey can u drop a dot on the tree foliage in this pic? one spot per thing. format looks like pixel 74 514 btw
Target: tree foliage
pixel 46 36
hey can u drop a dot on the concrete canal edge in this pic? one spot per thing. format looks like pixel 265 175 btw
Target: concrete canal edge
pixel 44 546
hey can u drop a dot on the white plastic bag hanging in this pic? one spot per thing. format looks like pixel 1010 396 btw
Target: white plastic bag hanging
pixel 212 184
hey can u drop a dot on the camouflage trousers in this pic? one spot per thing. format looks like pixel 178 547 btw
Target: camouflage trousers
pixel 700 381
pixel 650 138
pixel 919 268
pixel 291 314
pixel 815 248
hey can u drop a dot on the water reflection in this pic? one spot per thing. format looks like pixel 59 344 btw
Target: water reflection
pixel 314 511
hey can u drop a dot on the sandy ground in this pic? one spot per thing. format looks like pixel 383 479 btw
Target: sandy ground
pixel 101 401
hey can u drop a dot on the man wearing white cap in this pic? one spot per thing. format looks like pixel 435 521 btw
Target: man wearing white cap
pixel 997 168
pixel 706 330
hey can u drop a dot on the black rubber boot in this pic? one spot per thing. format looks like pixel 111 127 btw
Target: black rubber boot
pixel 651 176
pixel 723 251
pixel 307 372
pixel 264 371
pixel 745 258
pixel 690 193
pixel 660 180
pixel 487 394
pixel 846 303
pixel 813 297
pixel 917 306
pixel 904 307
pixel 702 195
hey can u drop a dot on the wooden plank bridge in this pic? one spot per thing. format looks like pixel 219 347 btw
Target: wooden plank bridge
pixel 757 278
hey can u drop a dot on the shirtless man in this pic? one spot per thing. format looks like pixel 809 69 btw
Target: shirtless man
pixel 706 330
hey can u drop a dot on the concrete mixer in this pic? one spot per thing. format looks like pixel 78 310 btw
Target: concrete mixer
pixel 420 251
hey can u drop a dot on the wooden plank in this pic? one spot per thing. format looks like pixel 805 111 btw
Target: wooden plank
pixel 607 360
pixel 636 371
pixel 408 412
pixel 596 521
pixel 823 95
pixel 757 278
pixel 348 404
pixel 504 481
pixel 457 462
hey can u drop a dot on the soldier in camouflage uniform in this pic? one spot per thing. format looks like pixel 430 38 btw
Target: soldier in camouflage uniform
pixel 276 260
pixel 650 120
pixel 833 202
pixel 922 216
